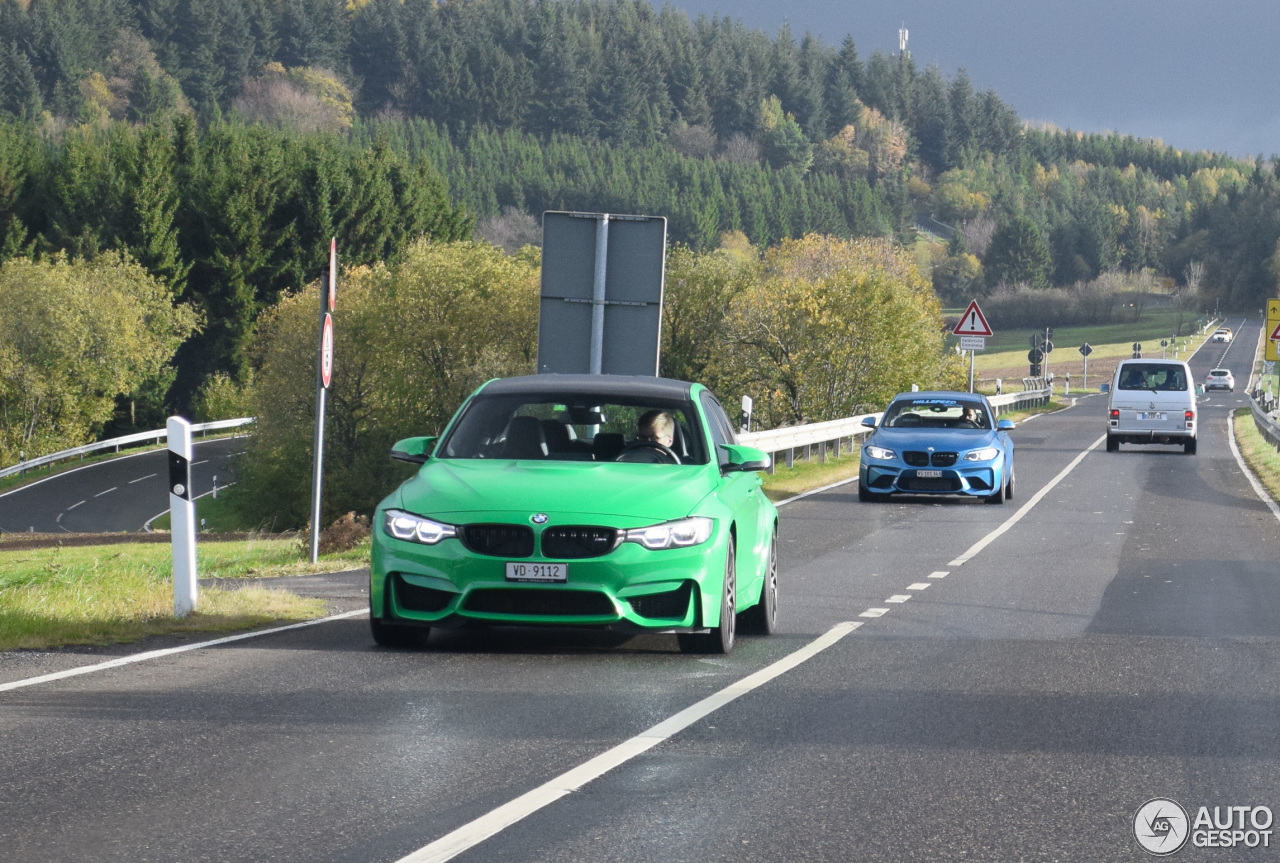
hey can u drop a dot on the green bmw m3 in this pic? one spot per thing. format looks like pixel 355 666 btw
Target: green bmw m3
pixel 579 500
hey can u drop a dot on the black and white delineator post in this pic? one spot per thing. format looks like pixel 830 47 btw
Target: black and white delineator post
pixel 182 517
pixel 324 374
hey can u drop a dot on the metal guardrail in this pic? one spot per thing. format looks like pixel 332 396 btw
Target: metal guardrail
pixel 116 443
pixel 831 435
pixel 1266 426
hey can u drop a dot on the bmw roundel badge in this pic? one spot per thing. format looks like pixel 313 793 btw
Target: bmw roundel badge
pixel 538 518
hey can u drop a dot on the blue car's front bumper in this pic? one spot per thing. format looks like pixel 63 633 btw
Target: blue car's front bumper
pixel 983 479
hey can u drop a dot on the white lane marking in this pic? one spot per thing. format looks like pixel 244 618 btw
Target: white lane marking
pixel 1253 480
pixel 141 478
pixel 146 526
pixel 61 474
pixel 899 597
pixel 1026 507
pixel 874 612
pixel 108 491
pixel 194 463
pixel 74 505
pixel 919 585
pixel 469 835
pixel 939 574
pixel 168 651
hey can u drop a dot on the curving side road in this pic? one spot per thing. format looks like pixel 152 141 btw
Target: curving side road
pixel 116 495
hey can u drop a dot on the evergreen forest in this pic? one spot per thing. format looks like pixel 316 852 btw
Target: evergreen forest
pixel 219 144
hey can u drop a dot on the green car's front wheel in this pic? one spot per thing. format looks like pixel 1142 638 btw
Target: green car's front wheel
pixel 720 638
pixel 762 618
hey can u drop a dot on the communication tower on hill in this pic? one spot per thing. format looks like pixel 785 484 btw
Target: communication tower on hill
pixel 902 40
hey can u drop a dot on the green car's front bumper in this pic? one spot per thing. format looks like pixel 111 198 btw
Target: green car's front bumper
pixel 630 587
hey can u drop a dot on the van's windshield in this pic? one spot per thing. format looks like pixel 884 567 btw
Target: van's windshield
pixel 1160 377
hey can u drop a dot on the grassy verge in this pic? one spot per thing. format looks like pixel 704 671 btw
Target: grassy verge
pixel 1261 457
pixel 121 593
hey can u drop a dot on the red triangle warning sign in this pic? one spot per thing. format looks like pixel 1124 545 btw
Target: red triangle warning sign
pixel 972 322
pixel 1275 334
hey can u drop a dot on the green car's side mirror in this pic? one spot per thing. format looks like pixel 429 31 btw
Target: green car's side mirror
pixel 1006 425
pixel 415 450
pixel 745 458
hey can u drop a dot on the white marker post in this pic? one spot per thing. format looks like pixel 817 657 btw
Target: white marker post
pixel 182 517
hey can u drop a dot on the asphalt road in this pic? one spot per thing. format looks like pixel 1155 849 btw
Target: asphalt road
pixel 121 494
pixel 1024 678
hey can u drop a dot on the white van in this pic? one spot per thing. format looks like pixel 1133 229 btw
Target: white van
pixel 1152 401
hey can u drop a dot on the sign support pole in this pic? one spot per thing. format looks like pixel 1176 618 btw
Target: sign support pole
pixel 324 368
pixel 182 517
pixel 598 294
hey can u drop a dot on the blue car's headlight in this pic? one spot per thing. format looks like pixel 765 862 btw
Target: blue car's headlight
pixel 881 453
pixel 985 454
pixel 415 528
pixel 673 534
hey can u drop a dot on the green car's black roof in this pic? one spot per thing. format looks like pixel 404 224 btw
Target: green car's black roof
pixel 635 386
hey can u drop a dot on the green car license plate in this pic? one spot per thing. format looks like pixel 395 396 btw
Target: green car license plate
pixel 538 572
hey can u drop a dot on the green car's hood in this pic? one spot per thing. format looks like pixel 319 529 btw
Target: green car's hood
pixel 645 492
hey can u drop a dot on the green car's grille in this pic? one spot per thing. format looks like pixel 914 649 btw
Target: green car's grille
pixel 568 543
pixel 499 540
pixel 411 597
pixel 540 603
pixel 671 604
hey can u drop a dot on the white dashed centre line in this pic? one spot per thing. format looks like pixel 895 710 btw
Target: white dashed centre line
pixel 74 505
pixel 874 612
pixel 899 597
pixel 942 574
pixel 141 478
pixel 108 491
pixel 919 585
pixel 469 835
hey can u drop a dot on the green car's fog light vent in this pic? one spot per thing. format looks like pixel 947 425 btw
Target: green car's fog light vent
pixel 411 597
pixel 568 543
pixel 499 540
pixel 673 604
pixel 541 603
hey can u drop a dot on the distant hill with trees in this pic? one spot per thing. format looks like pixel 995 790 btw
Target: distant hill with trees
pixel 219 144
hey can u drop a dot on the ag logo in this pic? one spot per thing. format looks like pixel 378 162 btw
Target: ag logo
pixel 1161 827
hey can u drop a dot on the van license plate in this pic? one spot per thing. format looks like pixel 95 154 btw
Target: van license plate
pixel 1151 416
pixel 929 474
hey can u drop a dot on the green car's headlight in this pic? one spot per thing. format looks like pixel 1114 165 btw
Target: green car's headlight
pixel 880 453
pixel 415 528
pixel 986 454
pixel 673 534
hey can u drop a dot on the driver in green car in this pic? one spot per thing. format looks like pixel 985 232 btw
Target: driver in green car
pixel 658 426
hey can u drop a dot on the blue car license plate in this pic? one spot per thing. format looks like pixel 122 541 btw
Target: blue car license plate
pixel 929 474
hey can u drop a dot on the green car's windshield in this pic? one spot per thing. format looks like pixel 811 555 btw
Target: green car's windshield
pixel 566 427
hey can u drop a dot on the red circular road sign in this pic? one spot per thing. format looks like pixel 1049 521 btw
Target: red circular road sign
pixel 326 351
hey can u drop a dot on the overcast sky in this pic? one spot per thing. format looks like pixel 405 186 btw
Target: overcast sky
pixel 1198 75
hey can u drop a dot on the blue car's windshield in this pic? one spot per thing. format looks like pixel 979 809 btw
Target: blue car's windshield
pixel 932 412
pixel 566 427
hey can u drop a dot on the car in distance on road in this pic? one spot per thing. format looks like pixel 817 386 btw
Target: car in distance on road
pixel 541 505
pixel 938 443
pixel 1223 334
pixel 1220 379
pixel 1152 402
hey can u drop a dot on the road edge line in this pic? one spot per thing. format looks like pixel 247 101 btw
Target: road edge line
pixel 168 651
